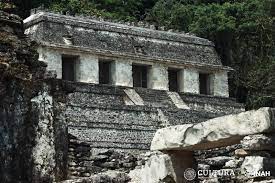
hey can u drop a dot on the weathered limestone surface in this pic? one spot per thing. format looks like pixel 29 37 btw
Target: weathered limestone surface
pixel 266 181
pixel 120 39
pixel 158 168
pixel 133 96
pixel 53 59
pixel 211 103
pixel 87 69
pixel 189 81
pixel 254 164
pixel 121 73
pixel 217 132
pixel 177 100
pixel 43 152
pixel 163 168
pixel 158 77
pixel 216 161
pixel 259 142
pixel 25 110
pixel 97 113
pixel 219 84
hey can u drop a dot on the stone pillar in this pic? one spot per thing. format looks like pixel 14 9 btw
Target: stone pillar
pixel 158 77
pixel 87 69
pixel 53 58
pixel 219 84
pixel 121 73
pixel 189 81
pixel 170 166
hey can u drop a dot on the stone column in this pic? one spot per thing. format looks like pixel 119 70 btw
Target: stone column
pixel 189 81
pixel 87 69
pixel 121 73
pixel 219 84
pixel 171 166
pixel 158 77
pixel 53 58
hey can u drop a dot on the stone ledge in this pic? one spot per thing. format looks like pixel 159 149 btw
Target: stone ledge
pixel 114 27
pixel 217 132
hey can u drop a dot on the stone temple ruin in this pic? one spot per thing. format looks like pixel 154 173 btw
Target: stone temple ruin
pixel 93 51
pixel 142 79
pixel 97 93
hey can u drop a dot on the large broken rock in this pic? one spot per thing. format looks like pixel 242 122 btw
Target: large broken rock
pixel 157 169
pixel 257 166
pixel 259 142
pixel 216 161
pixel 217 132
pixel 164 168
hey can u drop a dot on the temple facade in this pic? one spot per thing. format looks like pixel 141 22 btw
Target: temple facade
pixel 110 86
pixel 90 50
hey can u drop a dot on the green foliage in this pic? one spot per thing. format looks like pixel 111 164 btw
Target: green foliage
pixel 243 35
pixel 6 6
pixel 74 7
pixel 130 10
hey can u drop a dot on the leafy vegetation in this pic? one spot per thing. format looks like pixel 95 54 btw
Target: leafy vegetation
pixel 243 33
pixel 242 30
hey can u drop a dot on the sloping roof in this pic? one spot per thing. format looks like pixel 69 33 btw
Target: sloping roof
pixel 120 39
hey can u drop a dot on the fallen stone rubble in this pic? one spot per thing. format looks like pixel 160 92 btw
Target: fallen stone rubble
pixel 217 132
pixel 245 154
pixel 233 148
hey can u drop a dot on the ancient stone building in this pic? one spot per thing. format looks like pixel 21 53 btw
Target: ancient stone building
pixel 107 86
pixel 123 81
pixel 165 76
pixel 94 51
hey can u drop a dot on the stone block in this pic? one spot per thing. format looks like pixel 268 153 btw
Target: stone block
pixel 121 73
pixel 219 84
pixel 241 152
pixel 234 163
pixel 158 77
pixel 216 161
pixel 53 59
pixel 134 97
pixel 189 81
pixel 87 69
pixel 167 167
pixel 258 142
pixel 158 168
pixel 257 166
pixel 43 153
pixel 203 167
pixel 177 100
pixel 217 132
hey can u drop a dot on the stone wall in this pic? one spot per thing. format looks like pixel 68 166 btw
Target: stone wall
pixel 98 118
pixel 24 115
pixel 252 159
pixel 95 114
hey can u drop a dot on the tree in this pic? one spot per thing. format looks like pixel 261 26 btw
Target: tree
pixel 243 34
